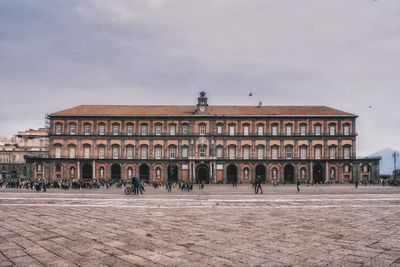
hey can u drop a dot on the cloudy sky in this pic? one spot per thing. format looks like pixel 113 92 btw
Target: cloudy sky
pixel 56 54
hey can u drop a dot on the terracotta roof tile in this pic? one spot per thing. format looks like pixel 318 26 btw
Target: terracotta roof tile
pixel 123 110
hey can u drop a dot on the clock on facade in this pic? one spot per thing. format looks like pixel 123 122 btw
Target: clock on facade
pixel 202 109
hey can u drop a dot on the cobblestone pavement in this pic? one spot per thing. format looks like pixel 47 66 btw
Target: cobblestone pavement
pixel 218 226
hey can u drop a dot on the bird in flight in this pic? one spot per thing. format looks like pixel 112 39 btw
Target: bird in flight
pixel 250 94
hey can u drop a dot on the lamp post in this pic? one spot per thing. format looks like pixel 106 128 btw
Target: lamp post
pixel 395 155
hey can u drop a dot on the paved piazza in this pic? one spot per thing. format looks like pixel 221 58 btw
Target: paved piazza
pixel 218 226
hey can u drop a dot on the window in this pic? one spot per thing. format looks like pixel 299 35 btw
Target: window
pixel 232 152
pixel 58 151
pixel 220 152
pixel 332 129
pixel 332 152
pixel 143 152
pixel 185 129
pixel 72 128
pixel 274 152
pixel 346 129
pixel 129 129
pixel 303 129
pixel 202 152
pixel 72 152
pixel 274 129
pixel 158 129
pixel 87 129
pixel 219 129
pixel 288 129
pixel 102 152
pixel 246 152
pixel 318 152
pixel 303 152
pixel 172 129
pixel 172 152
pixel 317 129
pixel 158 152
pixel 289 152
pixel 143 129
pixel 260 152
pixel 102 129
pixel 346 152
pixel 115 152
pixel 185 152
pixel 115 129
pixel 232 129
pixel 246 129
pixel 86 152
pixel 58 128
pixel 129 152
pixel 260 130
pixel 202 128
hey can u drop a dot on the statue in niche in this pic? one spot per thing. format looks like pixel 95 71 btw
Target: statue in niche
pixel 332 173
pixel 129 172
pixel 101 173
pixel 303 174
pixel 274 174
pixel 158 173
pixel 246 173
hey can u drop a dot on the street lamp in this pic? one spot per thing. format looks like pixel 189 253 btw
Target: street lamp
pixel 395 155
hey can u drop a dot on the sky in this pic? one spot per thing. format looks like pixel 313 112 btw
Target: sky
pixel 345 54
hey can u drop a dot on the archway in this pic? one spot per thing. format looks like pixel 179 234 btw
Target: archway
pixel 318 174
pixel 87 171
pixel 288 173
pixel 231 174
pixel 144 173
pixel 172 173
pixel 260 171
pixel 203 174
pixel 115 172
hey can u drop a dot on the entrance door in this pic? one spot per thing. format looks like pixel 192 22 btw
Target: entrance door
pixel 260 171
pixel 203 174
pixel 144 173
pixel 87 172
pixel 231 174
pixel 318 174
pixel 289 173
pixel 115 172
pixel 172 173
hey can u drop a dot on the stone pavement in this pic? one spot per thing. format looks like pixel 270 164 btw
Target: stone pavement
pixel 219 226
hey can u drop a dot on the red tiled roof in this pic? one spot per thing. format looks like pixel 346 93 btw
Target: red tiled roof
pixel 123 110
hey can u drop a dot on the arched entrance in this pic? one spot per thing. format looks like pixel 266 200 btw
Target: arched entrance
pixel 87 171
pixel 172 173
pixel 318 174
pixel 260 171
pixel 231 174
pixel 288 173
pixel 13 175
pixel 144 173
pixel 115 172
pixel 203 174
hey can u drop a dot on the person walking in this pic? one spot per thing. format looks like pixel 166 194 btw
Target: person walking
pixel 298 186
pixel 257 185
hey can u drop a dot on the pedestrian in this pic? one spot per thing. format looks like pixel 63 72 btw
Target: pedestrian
pixel 257 185
pixel 169 187
pixel 356 184
pixel 298 186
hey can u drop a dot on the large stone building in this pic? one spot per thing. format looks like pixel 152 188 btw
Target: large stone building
pixel 31 142
pixel 204 142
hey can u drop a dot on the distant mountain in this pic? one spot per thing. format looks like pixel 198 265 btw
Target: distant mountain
pixel 386 164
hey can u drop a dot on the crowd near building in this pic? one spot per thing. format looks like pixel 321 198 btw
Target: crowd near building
pixel 12 151
pixel 203 143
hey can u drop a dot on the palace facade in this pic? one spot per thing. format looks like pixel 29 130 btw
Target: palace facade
pixel 222 144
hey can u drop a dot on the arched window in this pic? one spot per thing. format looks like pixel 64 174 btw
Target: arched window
pixel 72 128
pixel 231 129
pixel 87 128
pixel 332 152
pixel 303 129
pixel 260 152
pixel 57 151
pixel 260 129
pixel 274 129
pixel 102 152
pixel 220 128
pixel 317 129
pixel 86 151
pixel 58 128
pixel 246 129
pixel 158 152
pixel 346 129
pixel 129 128
pixel 332 129
pixel 289 151
pixel 172 152
pixel 303 152
pixel 220 151
pixel 144 129
pixel 172 129
pixel 274 152
pixel 318 152
pixel 185 129
pixel 129 152
pixel 102 129
pixel 232 152
pixel 115 151
pixel 289 129
pixel 202 129
pixel 246 152
pixel 115 129
pixel 144 151
pixel 72 151
pixel 346 152
pixel 185 151
pixel 158 129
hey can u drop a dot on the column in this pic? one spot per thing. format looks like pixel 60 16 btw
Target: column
pixel 311 172
pixel 326 172
pixel 94 170
pixel 79 171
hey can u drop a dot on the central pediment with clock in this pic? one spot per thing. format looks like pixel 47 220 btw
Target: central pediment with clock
pixel 202 105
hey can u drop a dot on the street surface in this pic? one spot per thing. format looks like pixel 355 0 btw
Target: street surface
pixel 323 225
